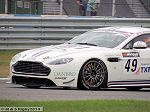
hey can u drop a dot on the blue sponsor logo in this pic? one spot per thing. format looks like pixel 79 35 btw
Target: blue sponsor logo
pixel 145 69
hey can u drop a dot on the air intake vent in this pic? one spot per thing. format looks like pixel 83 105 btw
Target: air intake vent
pixel 31 68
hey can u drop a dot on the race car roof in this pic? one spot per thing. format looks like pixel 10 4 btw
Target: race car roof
pixel 126 29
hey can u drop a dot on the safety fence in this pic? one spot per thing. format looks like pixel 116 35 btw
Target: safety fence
pixel 31 32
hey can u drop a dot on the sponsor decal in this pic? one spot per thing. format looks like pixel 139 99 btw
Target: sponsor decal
pixel 145 69
pixel 131 54
pixel 61 78
pixel 145 64
pixel 64 75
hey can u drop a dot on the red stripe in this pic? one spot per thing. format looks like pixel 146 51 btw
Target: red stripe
pixel 138 71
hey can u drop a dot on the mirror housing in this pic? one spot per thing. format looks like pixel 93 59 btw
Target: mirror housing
pixel 139 45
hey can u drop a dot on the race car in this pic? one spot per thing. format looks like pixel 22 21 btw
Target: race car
pixel 100 58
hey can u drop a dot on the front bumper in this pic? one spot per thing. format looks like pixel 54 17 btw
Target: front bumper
pixel 32 81
pixel 28 73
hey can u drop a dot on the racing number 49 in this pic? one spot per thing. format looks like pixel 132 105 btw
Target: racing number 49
pixel 131 65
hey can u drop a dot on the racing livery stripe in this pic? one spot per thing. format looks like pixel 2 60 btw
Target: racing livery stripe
pixel 128 82
pixel 41 53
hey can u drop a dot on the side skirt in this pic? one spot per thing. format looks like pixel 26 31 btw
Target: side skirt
pixel 141 83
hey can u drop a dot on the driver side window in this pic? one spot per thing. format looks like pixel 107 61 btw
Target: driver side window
pixel 144 38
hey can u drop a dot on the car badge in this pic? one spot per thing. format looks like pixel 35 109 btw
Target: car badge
pixel 45 58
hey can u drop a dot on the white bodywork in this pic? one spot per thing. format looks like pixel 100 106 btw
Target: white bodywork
pixel 66 75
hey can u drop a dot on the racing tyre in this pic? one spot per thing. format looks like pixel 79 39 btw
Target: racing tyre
pixel 93 75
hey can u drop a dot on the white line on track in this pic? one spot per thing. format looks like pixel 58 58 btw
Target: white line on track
pixel 4 78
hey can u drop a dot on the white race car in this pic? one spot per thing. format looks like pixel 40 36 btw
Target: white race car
pixel 104 57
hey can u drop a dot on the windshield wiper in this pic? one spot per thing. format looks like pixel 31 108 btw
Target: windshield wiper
pixel 87 44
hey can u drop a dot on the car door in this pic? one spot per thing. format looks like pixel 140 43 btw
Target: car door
pixel 136 62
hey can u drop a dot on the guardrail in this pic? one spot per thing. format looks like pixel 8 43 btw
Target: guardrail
pixel 32 32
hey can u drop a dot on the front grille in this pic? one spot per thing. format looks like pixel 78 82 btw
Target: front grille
pixel 31 68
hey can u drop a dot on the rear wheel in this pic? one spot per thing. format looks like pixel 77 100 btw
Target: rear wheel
pixel 93 75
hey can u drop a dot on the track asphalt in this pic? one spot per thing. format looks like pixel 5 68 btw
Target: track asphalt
pixel 16 92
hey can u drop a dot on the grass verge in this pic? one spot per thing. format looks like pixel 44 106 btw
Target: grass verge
pixel 83 106
pixel 5 57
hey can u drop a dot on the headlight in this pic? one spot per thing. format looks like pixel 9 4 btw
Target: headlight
pixel 16 57
pixel 60 61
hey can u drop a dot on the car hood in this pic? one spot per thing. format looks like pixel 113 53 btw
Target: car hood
pixel 44 53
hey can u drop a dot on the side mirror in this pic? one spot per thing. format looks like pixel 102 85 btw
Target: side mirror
pixel 139 45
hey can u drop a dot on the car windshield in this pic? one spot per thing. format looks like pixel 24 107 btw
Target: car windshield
pixel 101 39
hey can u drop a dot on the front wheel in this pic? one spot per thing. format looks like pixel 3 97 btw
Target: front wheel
pixel 93 75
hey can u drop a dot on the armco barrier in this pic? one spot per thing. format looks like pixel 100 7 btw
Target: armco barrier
pixel 31 32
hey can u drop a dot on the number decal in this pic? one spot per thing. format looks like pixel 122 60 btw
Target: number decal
pixel 131 67
pixel 134 65
pixel 128 65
